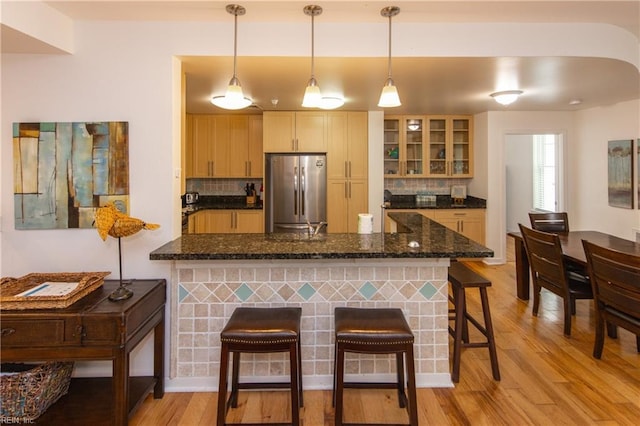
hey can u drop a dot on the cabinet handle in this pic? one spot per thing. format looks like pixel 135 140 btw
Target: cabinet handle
pixel 462 226
pixel 346 170
pixel 349 189
pixel 7 331
pixel 349 168
pixel 346 190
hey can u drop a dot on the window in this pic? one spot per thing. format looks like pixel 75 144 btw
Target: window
pixel 545 175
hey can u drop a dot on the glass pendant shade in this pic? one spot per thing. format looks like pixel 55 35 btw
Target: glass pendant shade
pixel 234 97
pixel 389 96
pixel 506 97
pixel 312 96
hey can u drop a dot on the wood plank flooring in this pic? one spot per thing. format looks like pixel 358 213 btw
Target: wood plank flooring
pixel 546 378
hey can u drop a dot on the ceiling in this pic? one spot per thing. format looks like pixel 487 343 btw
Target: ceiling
pixel 430 85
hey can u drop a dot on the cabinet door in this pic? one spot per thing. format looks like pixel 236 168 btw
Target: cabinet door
pixel 249 221
pixel 470 222
pixel 311 132
pixel 337 207
pixel 337 150
pixel 392 140
pixel 255 157
pixel 461 147
pixel 412 150
pixel 278 131
pixel 358 147
pixel 200 146
pixel 221 146
pixel 236 147
pixel 437 152
pixel 358 202
pixel 213 221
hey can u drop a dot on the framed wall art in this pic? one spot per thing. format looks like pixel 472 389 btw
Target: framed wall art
pixel 64 171
pixel 620 173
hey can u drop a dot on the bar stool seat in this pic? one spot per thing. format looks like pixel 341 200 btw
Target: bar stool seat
pixel 462 278
pixel 260 330
pixel 374 331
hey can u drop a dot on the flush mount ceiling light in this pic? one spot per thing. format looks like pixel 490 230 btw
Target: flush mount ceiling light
pixel 234 98
pixel 312 96
pixel 330 102
pixel 506 97
pixel 389 96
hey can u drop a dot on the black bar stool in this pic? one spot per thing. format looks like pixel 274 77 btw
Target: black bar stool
pixel 462 278
pixel 260 330
pixel 375 331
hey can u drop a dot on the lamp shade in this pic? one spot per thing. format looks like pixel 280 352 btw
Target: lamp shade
pixel 233 98
pixel 506 97
pixel 312 96
pixel 389 96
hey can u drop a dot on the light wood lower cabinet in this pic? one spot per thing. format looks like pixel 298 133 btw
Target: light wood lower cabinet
pixel 345 200
pixel 468 222
pixel 227 222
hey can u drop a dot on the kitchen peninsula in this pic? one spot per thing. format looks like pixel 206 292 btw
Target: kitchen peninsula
pixel 215 273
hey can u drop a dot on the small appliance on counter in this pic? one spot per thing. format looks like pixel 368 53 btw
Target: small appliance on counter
pixel 191 197
pixel 458 194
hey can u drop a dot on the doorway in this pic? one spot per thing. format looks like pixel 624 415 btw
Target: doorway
pixel 534 176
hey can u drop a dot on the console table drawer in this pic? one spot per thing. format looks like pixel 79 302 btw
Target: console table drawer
pixel 40 332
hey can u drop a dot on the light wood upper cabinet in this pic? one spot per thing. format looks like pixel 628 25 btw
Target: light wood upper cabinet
pixel 450 152
pixel 404 146
pixel 295 131
pixel 224 146
pixel 347 170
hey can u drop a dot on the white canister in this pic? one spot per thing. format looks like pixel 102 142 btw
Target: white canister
pixel 365 223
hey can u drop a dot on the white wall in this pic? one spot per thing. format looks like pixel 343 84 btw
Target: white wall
pixel 518 179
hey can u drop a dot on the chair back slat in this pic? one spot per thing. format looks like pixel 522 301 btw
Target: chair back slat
pixel 545 258
pixel 615 277
pixel 550 222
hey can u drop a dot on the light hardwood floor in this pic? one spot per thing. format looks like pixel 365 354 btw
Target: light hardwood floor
pixel 546 378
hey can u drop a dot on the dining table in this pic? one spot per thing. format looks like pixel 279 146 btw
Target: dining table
pixel 572 251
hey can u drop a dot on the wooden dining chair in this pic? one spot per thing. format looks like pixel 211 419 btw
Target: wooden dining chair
pixel 550 222
pixel 615 278
pixel 548 270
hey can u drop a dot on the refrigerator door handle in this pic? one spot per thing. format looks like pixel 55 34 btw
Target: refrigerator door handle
pixel 295 191
pixel 303 189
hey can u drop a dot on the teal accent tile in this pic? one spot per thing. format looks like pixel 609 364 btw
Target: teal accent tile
pixel 182 293
pixel 368 290
pixel 428 290
pixel 244 292
pixel 306 291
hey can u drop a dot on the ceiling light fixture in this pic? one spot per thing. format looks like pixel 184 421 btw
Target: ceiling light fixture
pixel 506 97
pixel 234 98
pixel 389 96
pixel 330 102
pixel 312 96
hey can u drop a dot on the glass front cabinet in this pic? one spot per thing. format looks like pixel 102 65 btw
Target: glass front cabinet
pixel 428 146
pixel 450 140
pixel 404 146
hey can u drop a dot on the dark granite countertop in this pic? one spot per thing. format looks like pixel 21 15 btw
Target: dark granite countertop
pixel 435 241
pixel 442 202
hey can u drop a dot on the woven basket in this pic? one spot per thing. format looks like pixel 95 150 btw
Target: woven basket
pixel 25 395
pixel 10 287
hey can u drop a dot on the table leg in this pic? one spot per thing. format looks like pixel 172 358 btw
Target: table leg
pixel 522 270
pixel 158 358
pixel 121 387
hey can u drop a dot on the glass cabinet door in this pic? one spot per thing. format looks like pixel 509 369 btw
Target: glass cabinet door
pixel 392 146
pixel 414 144
pixel 460 152
pixel 437 146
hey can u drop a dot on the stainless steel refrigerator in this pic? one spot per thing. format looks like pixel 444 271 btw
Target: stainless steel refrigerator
pixel 296 191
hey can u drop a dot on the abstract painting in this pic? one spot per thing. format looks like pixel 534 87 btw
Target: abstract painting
pixel 64 171
pixel 620 166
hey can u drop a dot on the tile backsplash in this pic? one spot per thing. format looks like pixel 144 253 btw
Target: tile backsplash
pixel 413 186
pixel 207 186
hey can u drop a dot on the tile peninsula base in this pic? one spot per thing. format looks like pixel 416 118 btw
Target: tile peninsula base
pixel 205 293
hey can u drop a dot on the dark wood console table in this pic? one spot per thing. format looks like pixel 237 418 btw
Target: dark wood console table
pixel 93 328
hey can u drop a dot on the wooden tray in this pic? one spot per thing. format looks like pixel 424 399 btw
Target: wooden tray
pixel 11 287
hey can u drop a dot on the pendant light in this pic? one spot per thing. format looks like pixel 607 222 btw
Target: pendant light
pixel 389 96
pixel 234 98
pixel 312 97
